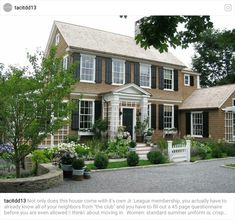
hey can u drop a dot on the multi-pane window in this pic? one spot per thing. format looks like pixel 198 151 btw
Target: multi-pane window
pixel 86 115
pixel 87 72
pixel 197 124
pixel 65 62
pixel 168 116
pixel 145 75
pixel 118 71
pixel 168 79
pixel 186 80
pixel 57 39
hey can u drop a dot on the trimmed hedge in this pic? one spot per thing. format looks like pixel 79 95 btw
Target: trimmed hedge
pixel 155 157
pixel 132 158
pixel 101 161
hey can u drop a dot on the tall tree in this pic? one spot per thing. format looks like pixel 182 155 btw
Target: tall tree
pixel 164 31
pixel 214 57
pixel 32 105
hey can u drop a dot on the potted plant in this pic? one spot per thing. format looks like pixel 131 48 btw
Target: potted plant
pixel 87 173
pixel 148 135
pixel 132 146
pixel 66 164
pixel 140 129
pixel 78 169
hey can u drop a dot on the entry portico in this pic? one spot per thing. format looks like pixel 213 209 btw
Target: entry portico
pixel 123 105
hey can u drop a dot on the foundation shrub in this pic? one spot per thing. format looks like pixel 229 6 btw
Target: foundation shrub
pixel 132 158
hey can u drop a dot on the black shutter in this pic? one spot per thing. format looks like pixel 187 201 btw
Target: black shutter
pixel 188 123
pixel 75 118
pixel 127 72
pixel 76 60
pixel 176 116
pixel 154 77
pixel 161 116
pixel 98 70
pixel 161 78
pixel 108 70
pixel 137 74
pixel 153 116
pixel 98 110
pixel 176 80
pixel 206 124
pixel 191 81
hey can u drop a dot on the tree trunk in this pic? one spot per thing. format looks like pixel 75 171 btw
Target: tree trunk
pixel 17 164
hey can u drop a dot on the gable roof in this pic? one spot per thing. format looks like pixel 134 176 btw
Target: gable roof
pixel 81 37
pixel 213 97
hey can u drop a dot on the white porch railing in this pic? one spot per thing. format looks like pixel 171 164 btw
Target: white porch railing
pixel 179 152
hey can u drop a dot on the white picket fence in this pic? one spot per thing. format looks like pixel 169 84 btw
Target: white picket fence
pixel 179 152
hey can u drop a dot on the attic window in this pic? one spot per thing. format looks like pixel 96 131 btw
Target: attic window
pixel 57 39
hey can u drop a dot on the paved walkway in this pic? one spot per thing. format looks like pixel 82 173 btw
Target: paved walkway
pixel 204 176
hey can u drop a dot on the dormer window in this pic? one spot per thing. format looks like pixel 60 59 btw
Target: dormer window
pixel 57 39
pixel 186 80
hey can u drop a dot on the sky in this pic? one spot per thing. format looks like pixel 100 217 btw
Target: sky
pixel 22 34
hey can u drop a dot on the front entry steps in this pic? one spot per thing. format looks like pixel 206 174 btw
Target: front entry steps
pixel 142 149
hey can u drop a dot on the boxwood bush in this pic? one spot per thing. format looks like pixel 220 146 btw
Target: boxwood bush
pixel 101 161
pixel 155 157
pixel 132 158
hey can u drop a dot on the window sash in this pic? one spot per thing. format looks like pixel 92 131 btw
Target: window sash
pixel 86 109
pixel 118 71
pixel 145 75
pixel 65 62
pixel 87 72
pixel 197 124
pixel 168 79
pixel 186 80
pixel 168 116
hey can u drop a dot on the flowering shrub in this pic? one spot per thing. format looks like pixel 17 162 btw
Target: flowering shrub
pixel 67 147
pixel 82 150
pixel 6 148
pixel 117 148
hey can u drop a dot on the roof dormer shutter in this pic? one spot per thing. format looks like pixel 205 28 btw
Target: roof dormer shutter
pixel 191 81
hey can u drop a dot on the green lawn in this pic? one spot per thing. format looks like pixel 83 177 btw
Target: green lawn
pixel 120 164
pixel 231 165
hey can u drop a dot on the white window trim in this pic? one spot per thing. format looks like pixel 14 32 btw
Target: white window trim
pixel 88 81
pixel 167 68
pixel 124 72
pixel 173 116
pixel 57 39
pixel 191 119
pixel 93 115
pixel 187 84
pixel 149 66
pixel 65 67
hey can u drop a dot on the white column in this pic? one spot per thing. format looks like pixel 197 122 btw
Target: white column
pixel 198 82
pixel 114 117
pixel 144 108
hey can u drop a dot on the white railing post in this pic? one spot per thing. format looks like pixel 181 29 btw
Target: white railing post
pixel 188 147
pixel 169 143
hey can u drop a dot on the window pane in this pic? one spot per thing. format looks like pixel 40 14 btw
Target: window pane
pixel 145 75
pixel 87 68
pixel 86 114
pixel 118 71
pixel 168 116
pixel 168 75
pixel 197 124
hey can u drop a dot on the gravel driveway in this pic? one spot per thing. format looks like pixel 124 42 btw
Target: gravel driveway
pixel 204 176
